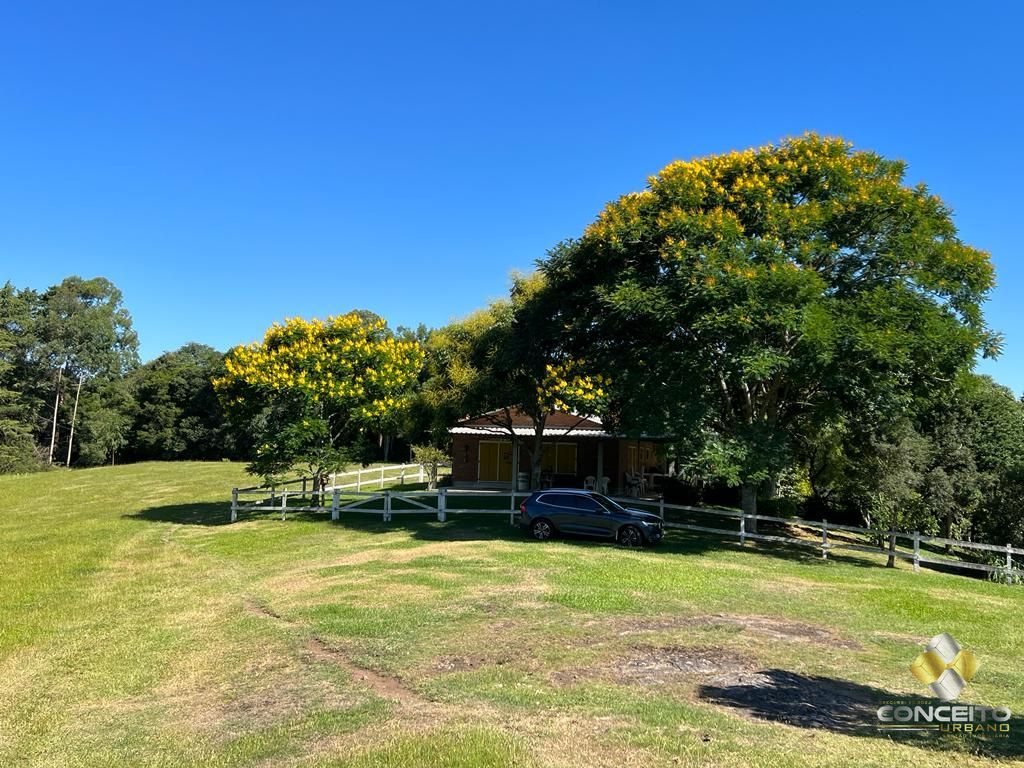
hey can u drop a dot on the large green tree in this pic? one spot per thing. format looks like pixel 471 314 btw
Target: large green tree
pixel 753 297
pixel 176 413
pixel 953 467
pixel 86 333
pixel 17 335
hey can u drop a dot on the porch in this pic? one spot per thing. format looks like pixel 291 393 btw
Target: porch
pixel 484 456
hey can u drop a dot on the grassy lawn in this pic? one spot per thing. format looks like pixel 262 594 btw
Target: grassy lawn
pixel 138 629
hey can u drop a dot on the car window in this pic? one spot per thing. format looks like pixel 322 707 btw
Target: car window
pixel 587 503
pixel 609 504
pixel 557 500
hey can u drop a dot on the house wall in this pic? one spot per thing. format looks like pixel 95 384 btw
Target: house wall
pixel 466 448
pixel 465 455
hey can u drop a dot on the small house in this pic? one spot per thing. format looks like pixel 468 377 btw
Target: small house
pixel 574 448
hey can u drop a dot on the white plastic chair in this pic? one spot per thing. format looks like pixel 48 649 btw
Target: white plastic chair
pixel 590 483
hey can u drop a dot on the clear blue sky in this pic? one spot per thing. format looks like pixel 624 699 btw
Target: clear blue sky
pixel 230 164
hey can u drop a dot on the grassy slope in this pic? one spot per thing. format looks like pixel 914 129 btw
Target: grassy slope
pixel 136 630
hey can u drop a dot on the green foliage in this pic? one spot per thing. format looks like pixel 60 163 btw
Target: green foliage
pixel 760 295
pixel 17 450
pixel 176 413
pixel 430 457
pixel 954 468
pixel 85 328
pixel 106 417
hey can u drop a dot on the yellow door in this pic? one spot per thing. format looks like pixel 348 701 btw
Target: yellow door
pixel 505 463
pixel 488 462
pixel 495 462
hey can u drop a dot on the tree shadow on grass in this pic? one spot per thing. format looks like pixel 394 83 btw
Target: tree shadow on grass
pixel 848 708
pixel 211 513
pixel 490 527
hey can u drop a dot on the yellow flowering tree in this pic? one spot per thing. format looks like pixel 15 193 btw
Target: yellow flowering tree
pixel 314 389
pixel 747 299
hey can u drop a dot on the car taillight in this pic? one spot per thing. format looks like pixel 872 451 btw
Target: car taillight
pixel 522 507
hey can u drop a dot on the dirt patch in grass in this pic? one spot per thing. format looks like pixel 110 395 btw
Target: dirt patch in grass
pixel 659 666
pixel 655 665
pixel 769 626
pixel 467 663
pixel 784 629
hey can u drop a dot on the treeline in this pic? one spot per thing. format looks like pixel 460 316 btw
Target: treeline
pixel 72 391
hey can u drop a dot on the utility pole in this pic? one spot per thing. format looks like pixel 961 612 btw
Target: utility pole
pixel 74 415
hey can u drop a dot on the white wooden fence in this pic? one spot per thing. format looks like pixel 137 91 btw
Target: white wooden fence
pixel 276 494
pixel 379 476
pixel 818 534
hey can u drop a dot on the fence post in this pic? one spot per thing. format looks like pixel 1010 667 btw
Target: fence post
pixel 284 503
pixel 442 505
pixel 387 506
pixel 661 507
pixel 892 548
pixel 743 530
pixel 512 507
pixel 234 504
pixel 824 539
pixel 359 480
pixel 1009 564
pixel 334 504
pixel 303 486
pixel 917 551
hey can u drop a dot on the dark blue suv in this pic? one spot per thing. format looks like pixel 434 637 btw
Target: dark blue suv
pixel 569 510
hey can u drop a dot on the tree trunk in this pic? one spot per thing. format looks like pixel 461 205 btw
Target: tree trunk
pixel 748 503
pixel 536 453
pixel 74 415
pixel 536 459
pixel 947 529
pixel 56 405
pixel 891 561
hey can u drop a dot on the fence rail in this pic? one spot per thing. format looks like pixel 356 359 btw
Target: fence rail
pixel 371 476
pixel 444 502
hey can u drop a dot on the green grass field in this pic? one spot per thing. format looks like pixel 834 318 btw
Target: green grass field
pixel 138 629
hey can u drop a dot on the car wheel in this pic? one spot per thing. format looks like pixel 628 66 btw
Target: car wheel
pixel 630 536
pixel 542 530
